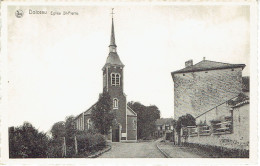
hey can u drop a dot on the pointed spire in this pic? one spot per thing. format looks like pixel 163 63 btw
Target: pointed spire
pixel 113 58
pixel 112 39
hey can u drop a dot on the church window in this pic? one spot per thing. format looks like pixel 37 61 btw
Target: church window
pixel 115 103
pixel 81 124
pixel 88 124
pixel 117 79
pixel 113 79
pixel 134 124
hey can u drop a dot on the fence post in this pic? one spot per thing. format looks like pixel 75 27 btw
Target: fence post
pixel 76 145
pixel 198 131
pixel 64 148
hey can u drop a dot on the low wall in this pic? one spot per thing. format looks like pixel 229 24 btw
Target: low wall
pixel 230 141
pixel 220 152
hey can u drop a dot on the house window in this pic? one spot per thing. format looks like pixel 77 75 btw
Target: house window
pixel 115 103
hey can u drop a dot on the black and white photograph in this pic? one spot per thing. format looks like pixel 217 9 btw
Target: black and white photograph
pixel 127 80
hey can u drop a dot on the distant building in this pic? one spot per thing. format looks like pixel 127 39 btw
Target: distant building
pixel 165 128
pixel 125 128
pixel 205 85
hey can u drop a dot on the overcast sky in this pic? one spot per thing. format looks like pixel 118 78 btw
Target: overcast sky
pixel 55 62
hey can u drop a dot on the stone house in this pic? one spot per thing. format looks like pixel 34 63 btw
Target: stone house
pixel 205 85
pixel 113 82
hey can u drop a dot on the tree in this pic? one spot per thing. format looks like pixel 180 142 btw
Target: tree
pixel 240 98
pixel 70 132
pixel 184 121
pixel 58 130
pixel 146 117
pixel 102 114
pixel 27 142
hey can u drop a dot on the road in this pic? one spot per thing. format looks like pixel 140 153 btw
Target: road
pixel 133 150
pixel 179 152
pixel 150 150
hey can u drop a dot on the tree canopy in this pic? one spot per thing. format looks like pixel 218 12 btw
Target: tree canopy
pixel 102 115
pixel 146 117
pixel 27 142
pixel 184 121
pixel 58 130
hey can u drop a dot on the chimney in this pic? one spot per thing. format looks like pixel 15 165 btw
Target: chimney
pixel 189 63
pixel 204 58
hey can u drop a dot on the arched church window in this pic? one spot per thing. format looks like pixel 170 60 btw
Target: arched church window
pixel 115 103
pixel 88 124
pixel 117 79
pixel 134 124
pixel 113 79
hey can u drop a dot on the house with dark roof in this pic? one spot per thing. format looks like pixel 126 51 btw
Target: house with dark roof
pixel 125 127
pixel 202 86
pixel 164 128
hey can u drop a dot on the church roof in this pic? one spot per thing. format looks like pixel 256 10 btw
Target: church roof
pixel 89 111
pixel 113 59
pixel 130 112
pixel 208 65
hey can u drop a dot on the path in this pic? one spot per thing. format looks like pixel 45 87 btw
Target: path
pixel 133 150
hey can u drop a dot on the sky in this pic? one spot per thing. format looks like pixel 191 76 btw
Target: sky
pixel 54 62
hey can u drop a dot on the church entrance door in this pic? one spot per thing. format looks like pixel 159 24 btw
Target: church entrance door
pixel 115 135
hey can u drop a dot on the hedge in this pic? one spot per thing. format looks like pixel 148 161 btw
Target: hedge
pixel 89 143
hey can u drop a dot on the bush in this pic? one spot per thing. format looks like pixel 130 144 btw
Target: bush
pixel 88 143
pixel 55 148
pixel 27 142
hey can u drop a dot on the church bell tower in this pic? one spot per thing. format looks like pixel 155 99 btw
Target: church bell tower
pixel 113 83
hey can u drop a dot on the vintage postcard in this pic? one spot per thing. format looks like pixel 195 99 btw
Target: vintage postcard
pixel 125 82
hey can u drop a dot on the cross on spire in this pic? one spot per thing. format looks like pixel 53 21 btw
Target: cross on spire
pixel 112 12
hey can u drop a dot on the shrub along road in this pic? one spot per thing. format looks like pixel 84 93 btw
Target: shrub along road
pixel 133 150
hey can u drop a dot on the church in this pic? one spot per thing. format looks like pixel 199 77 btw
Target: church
pixel 113 82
